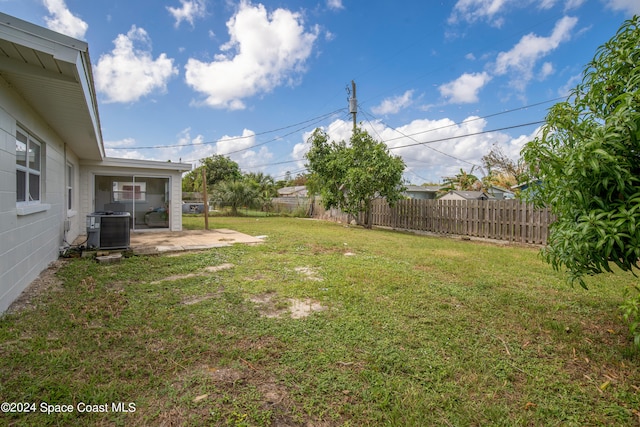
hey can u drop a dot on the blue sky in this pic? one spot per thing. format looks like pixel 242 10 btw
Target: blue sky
pixel 440 82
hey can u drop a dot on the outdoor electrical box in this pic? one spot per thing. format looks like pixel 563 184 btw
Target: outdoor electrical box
pixel 353 106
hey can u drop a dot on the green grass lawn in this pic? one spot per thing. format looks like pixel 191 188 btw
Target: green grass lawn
pixel 412 331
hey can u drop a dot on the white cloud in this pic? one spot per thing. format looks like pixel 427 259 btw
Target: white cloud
pixel 185 140
pixel 521 59
pixel 264 52
pixel 570 85
pixel 546 71
pixel 464 90
pixel 123 143
pixel 228 144
pixel 129 72
pixel 335 4
pixel 630 7
pixel 493 10
pixel 238 149
pixel 395 104
pixel 474 10
pixel 190 149
pixel 189 11
pixel 431 149
pixel 574 4
pixel 63 21
pixel 123 149
pixel 513 146
pixel 298 153
pixel 338 130
pixel 183 151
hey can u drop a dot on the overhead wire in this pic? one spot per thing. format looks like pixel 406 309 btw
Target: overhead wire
pixel 410 136
pixel 434 141
pixel 290 161
pixel 480 118
pixel 319 119
pixel 413 139
pixel 314 120
pixel 468 135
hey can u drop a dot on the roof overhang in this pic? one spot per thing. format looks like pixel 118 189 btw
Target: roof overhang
pixel 138 165
pixel 52 72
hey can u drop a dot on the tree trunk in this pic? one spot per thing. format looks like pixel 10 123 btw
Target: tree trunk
pixel 368 215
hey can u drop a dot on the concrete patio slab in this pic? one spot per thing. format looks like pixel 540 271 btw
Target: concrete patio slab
pixel 175 241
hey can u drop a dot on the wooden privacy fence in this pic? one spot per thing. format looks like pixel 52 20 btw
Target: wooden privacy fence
pixel 510 220
pixel 290 204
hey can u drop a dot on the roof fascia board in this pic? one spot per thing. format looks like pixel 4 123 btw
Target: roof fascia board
pixel 116 162
pixel 63 48
pixel 85 76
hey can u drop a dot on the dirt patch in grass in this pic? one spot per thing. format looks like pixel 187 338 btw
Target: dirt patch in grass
pixel 210 269
pixel 309 273
pixel 271 395
pixel 201 298
pixel 226 375
pixel 303 308
pixel 46 281
pixel 271 307
pixel 214 268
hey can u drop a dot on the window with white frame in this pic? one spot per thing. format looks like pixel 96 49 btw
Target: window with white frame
pixel 28 168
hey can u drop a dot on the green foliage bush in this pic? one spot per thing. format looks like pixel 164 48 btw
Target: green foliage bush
pixel 588 159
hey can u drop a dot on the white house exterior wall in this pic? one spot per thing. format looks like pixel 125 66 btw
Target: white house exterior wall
pixel 88 173
pixel 30 242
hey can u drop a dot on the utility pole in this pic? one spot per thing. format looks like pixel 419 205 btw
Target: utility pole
pixel 353 104
pixel 204 197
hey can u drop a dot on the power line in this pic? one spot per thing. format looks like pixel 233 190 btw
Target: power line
pixel 306 123
pixel 468 135
pixel 479 118
pixel 413 139
pixel 430 142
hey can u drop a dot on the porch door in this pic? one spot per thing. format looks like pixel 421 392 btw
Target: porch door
pixel 145 198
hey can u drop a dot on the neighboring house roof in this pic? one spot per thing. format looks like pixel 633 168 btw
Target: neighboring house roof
pixel 469 195
pixel 298 190
pixel 500 189
pixel 422 188
pixel 52 72
pixel 495 190
pixel 525 185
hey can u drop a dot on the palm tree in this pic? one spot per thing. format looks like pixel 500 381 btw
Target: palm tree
pixel 264 185
pixel 236 194
pixel 463 181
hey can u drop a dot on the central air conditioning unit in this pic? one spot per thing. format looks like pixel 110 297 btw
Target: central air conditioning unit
pixel 108 230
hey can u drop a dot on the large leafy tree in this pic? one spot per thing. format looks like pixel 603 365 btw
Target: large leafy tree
pixel 588 160
pixel 350 176
pixel 218 168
